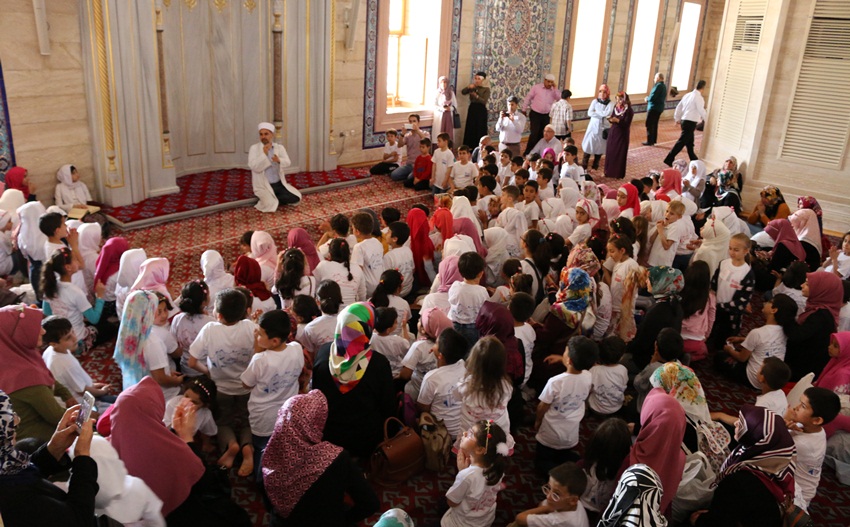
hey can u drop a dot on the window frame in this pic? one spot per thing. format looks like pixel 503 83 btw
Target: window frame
pixel 385 120
pixel 655 52
pixel 695 58
pixel 583 103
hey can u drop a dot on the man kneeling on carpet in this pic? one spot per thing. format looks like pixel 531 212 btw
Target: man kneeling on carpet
pixel 267 160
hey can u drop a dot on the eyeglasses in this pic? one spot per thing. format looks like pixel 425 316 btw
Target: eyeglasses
pixel 550 494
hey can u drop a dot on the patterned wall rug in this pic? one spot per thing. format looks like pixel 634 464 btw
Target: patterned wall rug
pixel 7 149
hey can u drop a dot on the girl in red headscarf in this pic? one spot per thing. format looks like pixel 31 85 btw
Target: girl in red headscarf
pixel 17 179
pixel 422 247
pixel 628 200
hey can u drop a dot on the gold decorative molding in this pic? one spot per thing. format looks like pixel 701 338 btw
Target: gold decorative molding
pixel 250 5
pixel 220 5
pixel 103 85
pixel 166 3
pixel 191 4
pixel 332 146
pixel 307 77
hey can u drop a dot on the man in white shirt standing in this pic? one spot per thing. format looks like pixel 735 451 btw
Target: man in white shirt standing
pixel 267 160
pixel 689 112
pixel 539 100
pixel 510 126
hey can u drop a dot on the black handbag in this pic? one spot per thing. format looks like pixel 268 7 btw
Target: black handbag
pixel 456 119
pixel 605 133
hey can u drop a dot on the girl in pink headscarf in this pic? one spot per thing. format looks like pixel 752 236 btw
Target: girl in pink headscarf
pixel 264 250
pixel 836 377
pixel 420 359
pixel 805 224
pixel 298 238
pixel 671 185
pixel 153 276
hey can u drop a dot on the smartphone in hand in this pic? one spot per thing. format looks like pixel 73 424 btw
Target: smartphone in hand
pixel 86 408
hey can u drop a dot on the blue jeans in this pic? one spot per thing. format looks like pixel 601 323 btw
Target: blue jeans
pixel 469 331
pixel 401 173
pixel 259 443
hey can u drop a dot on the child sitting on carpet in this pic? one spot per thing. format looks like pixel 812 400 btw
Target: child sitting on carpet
pixel 66 369
pixel 669 347
pixel 772 377
pixel 387 294
pixel 223 350
pixel 321 330
pixel 337 268
pixel 248 274
pixel 562 506
pixel 161 328
pixel 502 294
pixel 522 306
pixel 185 326
pixel 421 357
pixel 400 256
pixel 201 392
pixel 481 461
pixel 294 279
pixel 305 310
pixel 391 156
pixel 603 457
pixel 467 296
pixel 337 227
pixel 609 377
pixel 368 253
pixel 791 284
pixel 386 342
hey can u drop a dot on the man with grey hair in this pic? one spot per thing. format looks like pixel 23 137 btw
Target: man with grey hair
pixel 539 100
pixel 654 108
pixel 267 160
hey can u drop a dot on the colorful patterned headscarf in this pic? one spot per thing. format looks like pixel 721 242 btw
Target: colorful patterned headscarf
pixel 582 257
pixel 666 282
pixel 809 202
pixel 636 501
pixel 681 382
pixel 350 352
pixel 574 293
pixel 592 209
pixel 12 460
pixel 133 333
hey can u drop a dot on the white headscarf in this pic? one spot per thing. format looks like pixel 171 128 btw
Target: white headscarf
pixel 496 240
pixel 564 225
pixel 461 208
pixel 570 193
pixel 69 192
pixel 553 207
pixel 691 207
pixel 215 275
pixel 30 238
pixel 611 208
pixel 124 498
pixel 5 218
pixel 11 200
pixel 700 172
pixel 715 244
pixel 457 245
pixel 735 224
pixel 128 271
pixel 89 240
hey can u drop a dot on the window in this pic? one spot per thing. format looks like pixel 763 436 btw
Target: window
pixel 413 41
pixel 591 19
pixel 642 51
pixel 683 61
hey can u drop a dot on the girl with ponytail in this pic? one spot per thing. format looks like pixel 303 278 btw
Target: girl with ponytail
pixel 387 295
pixel 337 268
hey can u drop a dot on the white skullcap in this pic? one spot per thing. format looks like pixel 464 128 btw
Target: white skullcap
pixel 549 77
pixel 266 126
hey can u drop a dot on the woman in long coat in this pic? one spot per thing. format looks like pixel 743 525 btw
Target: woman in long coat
pixel 617 150
pixel 445 106
pixel 476 116
pixel 594 141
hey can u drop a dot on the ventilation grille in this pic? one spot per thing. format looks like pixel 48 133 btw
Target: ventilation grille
pixel 814 133
pixel 740 71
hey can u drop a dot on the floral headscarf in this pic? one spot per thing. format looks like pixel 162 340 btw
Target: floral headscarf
pixel 582 257
pixel 350 352
pixel 725 184
pixel 592 210
pixel 682 166
pixel 681 382
pixel 574 294
pixel 666 282
pixel 590 191
pixel 133 333
pixel 12 460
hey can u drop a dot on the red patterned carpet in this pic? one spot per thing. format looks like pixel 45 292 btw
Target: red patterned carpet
pixel 184 241
pixel 220 188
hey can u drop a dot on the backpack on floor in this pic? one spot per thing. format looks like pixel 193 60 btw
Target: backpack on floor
pixel 436 440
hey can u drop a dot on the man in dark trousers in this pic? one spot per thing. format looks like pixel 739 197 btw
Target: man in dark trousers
pixel 689 112
pixel 654 109
pixel 537 105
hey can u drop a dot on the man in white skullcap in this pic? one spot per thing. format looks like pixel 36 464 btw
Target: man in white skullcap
pixel 537 105
pixel 267 160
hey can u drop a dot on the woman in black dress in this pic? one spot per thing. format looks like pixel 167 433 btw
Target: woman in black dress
pixel 476 116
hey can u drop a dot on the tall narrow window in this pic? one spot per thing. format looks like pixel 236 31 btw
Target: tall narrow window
pixel 413 45
pixel 591 24
pixel 686 44
pixel 641 54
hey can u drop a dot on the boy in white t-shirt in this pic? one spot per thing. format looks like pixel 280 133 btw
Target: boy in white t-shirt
pixel 512 220
pixel 463 172
pixel 504 174
pixel 338 227
pixel 272 376
pixel 436 393
pixel 393 347
pixel 442 159
pixel 223 350
pixel 561 406
pixel 528 205
pixel 62 341
pixel 466 297
pixel 668 233
pixel 160 349
pixel 522 306
pixel 400 256
pixel 368 253
pixel 545 187
pixel 569 169
pixel 817 407
pixel 391 155
pixel 610 378
pixel 562 506
pixel 486 186
pixel 773 376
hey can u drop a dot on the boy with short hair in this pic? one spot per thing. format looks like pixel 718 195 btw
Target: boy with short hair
pixel 773 376
pixel 516 165
pixel 391 155
pixel 610 378
pixel 569 169
pixel 400 256
pixel 271 376
pixel 338 227
pixel 512 220
pixel 52 225
pixel 486 186
pixel 522 306
pixel 222 350
pixel 561 406
pixel 669 347
pixel 393 347
pixel 521 177
pixel 504 167
pixel 442 161
pixel 411 141
pixel 422 168
pixel 436 395
pixel 562 506
pixel 528 205
pixel 664 242
pixel 368 252
pixel 466 297
pixel 59 357
pixel 462 172
pixel 545 190
pixel 817 407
